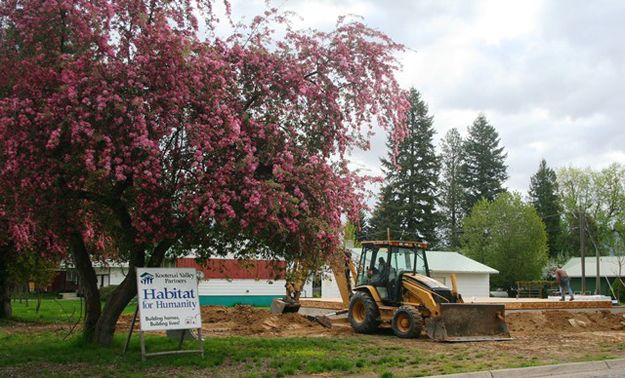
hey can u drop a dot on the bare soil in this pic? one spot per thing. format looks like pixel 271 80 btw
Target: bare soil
pixel 245 320
pixel 28 328
pixel 550 322
pixel 250 321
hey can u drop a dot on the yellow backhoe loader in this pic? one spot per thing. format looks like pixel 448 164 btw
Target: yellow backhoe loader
pixel 393 285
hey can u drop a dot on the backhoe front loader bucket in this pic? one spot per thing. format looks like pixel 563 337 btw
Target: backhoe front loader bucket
pixel 469 322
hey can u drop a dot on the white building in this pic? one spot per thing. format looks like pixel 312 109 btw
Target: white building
pixel 473 277
pixel 107 272
pixel 229 281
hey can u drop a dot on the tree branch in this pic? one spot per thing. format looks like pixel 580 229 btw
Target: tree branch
pixel 159 252
pixel 251 101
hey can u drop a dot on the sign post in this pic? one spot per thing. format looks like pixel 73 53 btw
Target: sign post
pixel 167 299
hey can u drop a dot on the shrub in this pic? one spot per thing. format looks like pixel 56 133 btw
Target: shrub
pixel 106 292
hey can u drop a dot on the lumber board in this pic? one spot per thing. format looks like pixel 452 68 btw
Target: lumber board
pixel 326 304
pixel 556 305
pixel 509 303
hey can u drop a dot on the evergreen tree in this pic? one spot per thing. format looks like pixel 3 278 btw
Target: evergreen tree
pixel 543 195
pixel 363 231
pixel 451 195
pixel 483 170
pixel 408 196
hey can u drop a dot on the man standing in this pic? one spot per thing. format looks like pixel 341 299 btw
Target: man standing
pixel 562 278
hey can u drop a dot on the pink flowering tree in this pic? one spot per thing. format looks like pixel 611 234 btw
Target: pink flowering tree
pixel 127 133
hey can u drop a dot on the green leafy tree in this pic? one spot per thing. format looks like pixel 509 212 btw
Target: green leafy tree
pixel 576 193
pixel 483 170
pixel 543 195
pixel 350 233
pixel 508 235
pixel 409 195
pixel 597 195
pixel 451 192
pixel 20 268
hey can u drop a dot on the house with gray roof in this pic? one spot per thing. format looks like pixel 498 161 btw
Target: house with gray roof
pixel 611 268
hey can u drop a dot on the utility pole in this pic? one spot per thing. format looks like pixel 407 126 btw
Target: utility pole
pixel 598 278
pixel 581 249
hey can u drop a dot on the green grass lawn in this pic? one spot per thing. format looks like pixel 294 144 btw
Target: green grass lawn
pixel 48 355
pixel 52 310
pixel 233 356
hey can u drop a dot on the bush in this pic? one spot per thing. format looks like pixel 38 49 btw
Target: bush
pixel 106 292
pixel 619 290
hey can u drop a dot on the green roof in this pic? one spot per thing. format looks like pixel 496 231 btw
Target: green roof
pixel 453 262
pixel 446 262
pixel 609 266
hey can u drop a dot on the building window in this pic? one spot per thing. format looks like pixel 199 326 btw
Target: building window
pixel 71 276
pixel 316 286
pixel 103 280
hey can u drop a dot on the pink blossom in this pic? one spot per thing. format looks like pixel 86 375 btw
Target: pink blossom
pixel 245 133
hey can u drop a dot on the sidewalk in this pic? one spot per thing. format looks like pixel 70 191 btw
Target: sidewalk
pixel 607 368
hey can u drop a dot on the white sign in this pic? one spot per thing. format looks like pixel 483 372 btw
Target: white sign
pixel 168 298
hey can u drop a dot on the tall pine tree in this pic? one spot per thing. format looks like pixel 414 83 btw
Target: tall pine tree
pixel 483 170
pixel 363 230
pixel 543 195
pixel 451 195
pixel 408 197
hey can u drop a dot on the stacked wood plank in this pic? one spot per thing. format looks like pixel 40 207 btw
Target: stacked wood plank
pixel 510 303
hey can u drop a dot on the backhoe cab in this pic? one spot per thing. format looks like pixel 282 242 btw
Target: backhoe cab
pixel 393 285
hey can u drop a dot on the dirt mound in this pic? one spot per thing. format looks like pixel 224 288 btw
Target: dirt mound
pixel 249 320
pixel 563 321
pixel 125 320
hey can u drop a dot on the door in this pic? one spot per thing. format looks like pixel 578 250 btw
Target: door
pixel 374 268
pixel 402 260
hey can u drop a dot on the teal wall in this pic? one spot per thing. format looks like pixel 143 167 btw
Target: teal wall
pixel 231 300
pixel 576 285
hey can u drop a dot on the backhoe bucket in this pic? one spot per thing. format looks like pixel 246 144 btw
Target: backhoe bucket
pixel 469 322
pixel 280 306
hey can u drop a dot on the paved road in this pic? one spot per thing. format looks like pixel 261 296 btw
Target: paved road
pixel 595 369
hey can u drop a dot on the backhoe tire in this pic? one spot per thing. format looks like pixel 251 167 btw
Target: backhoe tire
pixel 363 315
pixel 407 322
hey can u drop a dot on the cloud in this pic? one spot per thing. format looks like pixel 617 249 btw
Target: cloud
pixel 549 75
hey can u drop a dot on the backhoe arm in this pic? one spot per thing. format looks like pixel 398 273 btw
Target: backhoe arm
pixel 344 275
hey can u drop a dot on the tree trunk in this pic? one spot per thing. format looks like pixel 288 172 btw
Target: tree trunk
pixel 5 287
pixel 123 294
pixel 88 284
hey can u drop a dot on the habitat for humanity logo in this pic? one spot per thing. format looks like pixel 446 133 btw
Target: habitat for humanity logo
pixel 147 278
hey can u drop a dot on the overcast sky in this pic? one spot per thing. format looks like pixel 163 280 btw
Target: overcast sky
pixel 549 75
